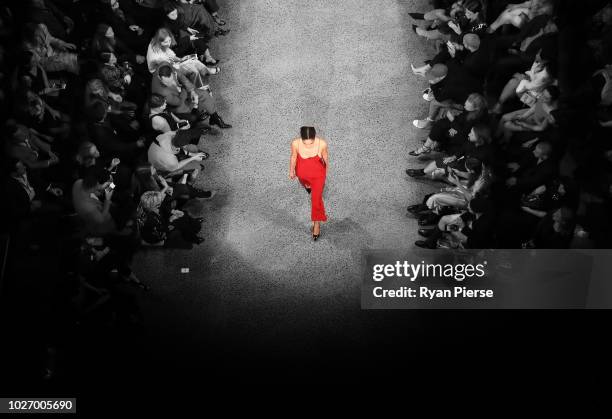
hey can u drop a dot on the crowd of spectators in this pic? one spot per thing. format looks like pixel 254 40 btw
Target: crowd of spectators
pixel 107 108
pixel 519 120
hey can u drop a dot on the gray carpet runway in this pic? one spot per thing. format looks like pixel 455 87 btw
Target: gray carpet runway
pixel 342 66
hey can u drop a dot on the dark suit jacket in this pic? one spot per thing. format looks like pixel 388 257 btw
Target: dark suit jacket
pixel 110 144
pixel 456 86
pixel 531 174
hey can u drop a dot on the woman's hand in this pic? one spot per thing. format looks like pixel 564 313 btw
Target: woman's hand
pixel 452 132
pixel 292 174
pixel 140 59
pixel 448 160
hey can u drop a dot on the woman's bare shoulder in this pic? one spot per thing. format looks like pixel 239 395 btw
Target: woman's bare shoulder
pixel 294 142
pixel 322 142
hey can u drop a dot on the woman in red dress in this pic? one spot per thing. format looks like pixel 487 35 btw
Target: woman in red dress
pixel 309 161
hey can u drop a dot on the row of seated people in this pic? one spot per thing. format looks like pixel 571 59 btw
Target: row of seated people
pixel 111 111
pixel 517 139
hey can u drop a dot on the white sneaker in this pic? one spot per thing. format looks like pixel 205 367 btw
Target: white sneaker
pixel 422 123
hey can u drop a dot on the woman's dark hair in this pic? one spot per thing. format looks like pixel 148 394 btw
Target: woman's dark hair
pixel 483 133
pixel 142 173
pixel 164 70
pixel 308 133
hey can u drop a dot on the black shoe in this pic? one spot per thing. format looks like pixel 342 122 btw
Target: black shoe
pixel 425 232
pixel 414 28
pixel 425 244
pixel 199 193
pixel 315 236
pixel 221 32
pixel 215 119
pixel 197 239
pixel 414 209
pixel 415 172
pixel 417 16
pixel 308 190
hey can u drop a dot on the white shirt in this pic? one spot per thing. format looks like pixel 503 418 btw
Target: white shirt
pixel 155 57
pixel 163 156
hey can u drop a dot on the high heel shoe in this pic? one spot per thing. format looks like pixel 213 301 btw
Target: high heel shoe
pixel 315 236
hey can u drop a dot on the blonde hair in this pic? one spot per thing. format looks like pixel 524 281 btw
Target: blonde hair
pixel 158 38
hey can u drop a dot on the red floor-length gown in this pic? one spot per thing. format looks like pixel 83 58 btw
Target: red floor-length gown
pixel 311 173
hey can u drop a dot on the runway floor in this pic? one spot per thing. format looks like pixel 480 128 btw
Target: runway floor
pixel 343 67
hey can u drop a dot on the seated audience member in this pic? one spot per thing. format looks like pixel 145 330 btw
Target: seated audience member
pixel 146 179
pixel 23 144
pixel 182 97
pixel 33 111
pixel 195 17
pixel 554 231
pixel 535 170
pixel 472 229
pixel 164 155
pixel 52 53
pixel 447 90
pixel 160 52
pixel 121 114
pixel 92 200
pixel 104 41
pixel 188 40
pixel 537 118
pixel 57 22
pixel 107 139
pixel 114 14
pixel 164 121
pixel 518 15
pixel 518 223
pixel 25 199
pixel 467 19
pixel 157 221
pixel 526 87
pixel 478 146
pixel 121 79
pixel 451 132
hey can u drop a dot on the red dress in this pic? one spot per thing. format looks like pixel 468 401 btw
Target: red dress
pixel 311 173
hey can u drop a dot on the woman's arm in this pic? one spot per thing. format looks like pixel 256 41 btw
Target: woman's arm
pixel 292 160
pixel 325 153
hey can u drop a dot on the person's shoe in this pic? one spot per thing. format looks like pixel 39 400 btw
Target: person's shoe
pixel 198 239
pixel 205 194
pixel 414 29
pixel 414 209
pixel 315 237
pixel 200 220
pixel 428 95
pixel 415 172
pixel 213 70
pixel 308 190
pixel 425 244
pixel 215 119
pixel 420 151
pixel 422 123
pixel 425 232
pixel 417 16
pixel 221 32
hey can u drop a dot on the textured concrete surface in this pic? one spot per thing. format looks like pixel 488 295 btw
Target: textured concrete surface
pixel 342 66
